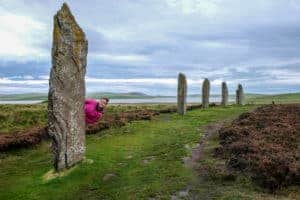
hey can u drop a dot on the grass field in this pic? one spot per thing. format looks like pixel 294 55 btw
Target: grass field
pixel 22 117
pixel 120 151
pixel 278 99
pixel 144 159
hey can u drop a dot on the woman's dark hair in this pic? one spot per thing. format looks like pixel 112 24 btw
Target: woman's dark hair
pixel 106 99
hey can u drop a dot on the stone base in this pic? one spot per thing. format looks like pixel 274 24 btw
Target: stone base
pixel 52 174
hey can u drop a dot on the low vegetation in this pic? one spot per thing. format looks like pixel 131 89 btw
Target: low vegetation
pixel 115 116
pixel 16 118
pixel 264 143
pixel 215 180
pixel 146 159
pixel 277 99
pixel 143 160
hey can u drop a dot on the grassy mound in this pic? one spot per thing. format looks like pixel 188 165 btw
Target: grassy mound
pixel 265 143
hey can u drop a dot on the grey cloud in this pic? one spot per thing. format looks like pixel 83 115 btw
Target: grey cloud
pixel 237 40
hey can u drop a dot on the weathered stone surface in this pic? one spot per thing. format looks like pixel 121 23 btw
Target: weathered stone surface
pixel 240 97
pixel 224 94
pixel 205 93
pixel 67 90
pixel 181 94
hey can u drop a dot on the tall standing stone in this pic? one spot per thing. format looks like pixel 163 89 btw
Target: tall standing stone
pixel 66 97
pixel 224 94
pixel 240 97
pixel 205 93
pixel 181 94
pixel 237 96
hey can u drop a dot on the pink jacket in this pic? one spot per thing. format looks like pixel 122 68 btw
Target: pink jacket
pixel 92 115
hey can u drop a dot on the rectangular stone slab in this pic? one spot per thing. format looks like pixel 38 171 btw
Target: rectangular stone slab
pixel 66 120
pixel 181 94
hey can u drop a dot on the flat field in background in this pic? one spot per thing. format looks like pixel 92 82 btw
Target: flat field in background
pixel 21 117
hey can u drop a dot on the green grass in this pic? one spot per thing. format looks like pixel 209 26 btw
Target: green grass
pixel 278 99
pixel 21 117
pixel 120 151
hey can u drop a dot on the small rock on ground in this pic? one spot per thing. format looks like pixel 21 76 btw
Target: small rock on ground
pixel 108 177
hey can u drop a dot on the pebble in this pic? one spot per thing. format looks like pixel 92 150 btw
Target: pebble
pixel 108 177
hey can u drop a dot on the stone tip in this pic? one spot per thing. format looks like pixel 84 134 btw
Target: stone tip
pixel 65 11
pixel 206 81
pixel 65 16
pixel 181 75
pixel 65 7
pixel 224 84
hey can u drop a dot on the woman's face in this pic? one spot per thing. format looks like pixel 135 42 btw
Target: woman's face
pixel 102 102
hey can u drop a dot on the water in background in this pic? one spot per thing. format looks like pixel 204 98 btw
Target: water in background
pixel 21 102
pixel 128 101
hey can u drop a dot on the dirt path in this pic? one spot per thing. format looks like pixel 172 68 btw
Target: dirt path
pixel 210 131
pixel 193 161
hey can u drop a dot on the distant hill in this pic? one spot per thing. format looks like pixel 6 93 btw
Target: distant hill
pixel 44 96
pixel 110 95
pixel 24 97
pixel 250 97
pixel 278 98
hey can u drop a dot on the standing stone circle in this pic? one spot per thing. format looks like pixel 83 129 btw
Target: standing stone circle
pixel 224 94
pixel 181 94
pixel 66 118
pixel 205 93
pixel 240 97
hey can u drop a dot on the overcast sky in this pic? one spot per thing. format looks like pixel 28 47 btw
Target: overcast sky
pixel 142 45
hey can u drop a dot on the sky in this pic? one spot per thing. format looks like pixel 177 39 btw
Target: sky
pixel 142 45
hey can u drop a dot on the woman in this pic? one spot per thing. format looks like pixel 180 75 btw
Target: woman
pixel 94 109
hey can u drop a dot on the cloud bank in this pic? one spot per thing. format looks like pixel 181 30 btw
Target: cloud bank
pixel 143 45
